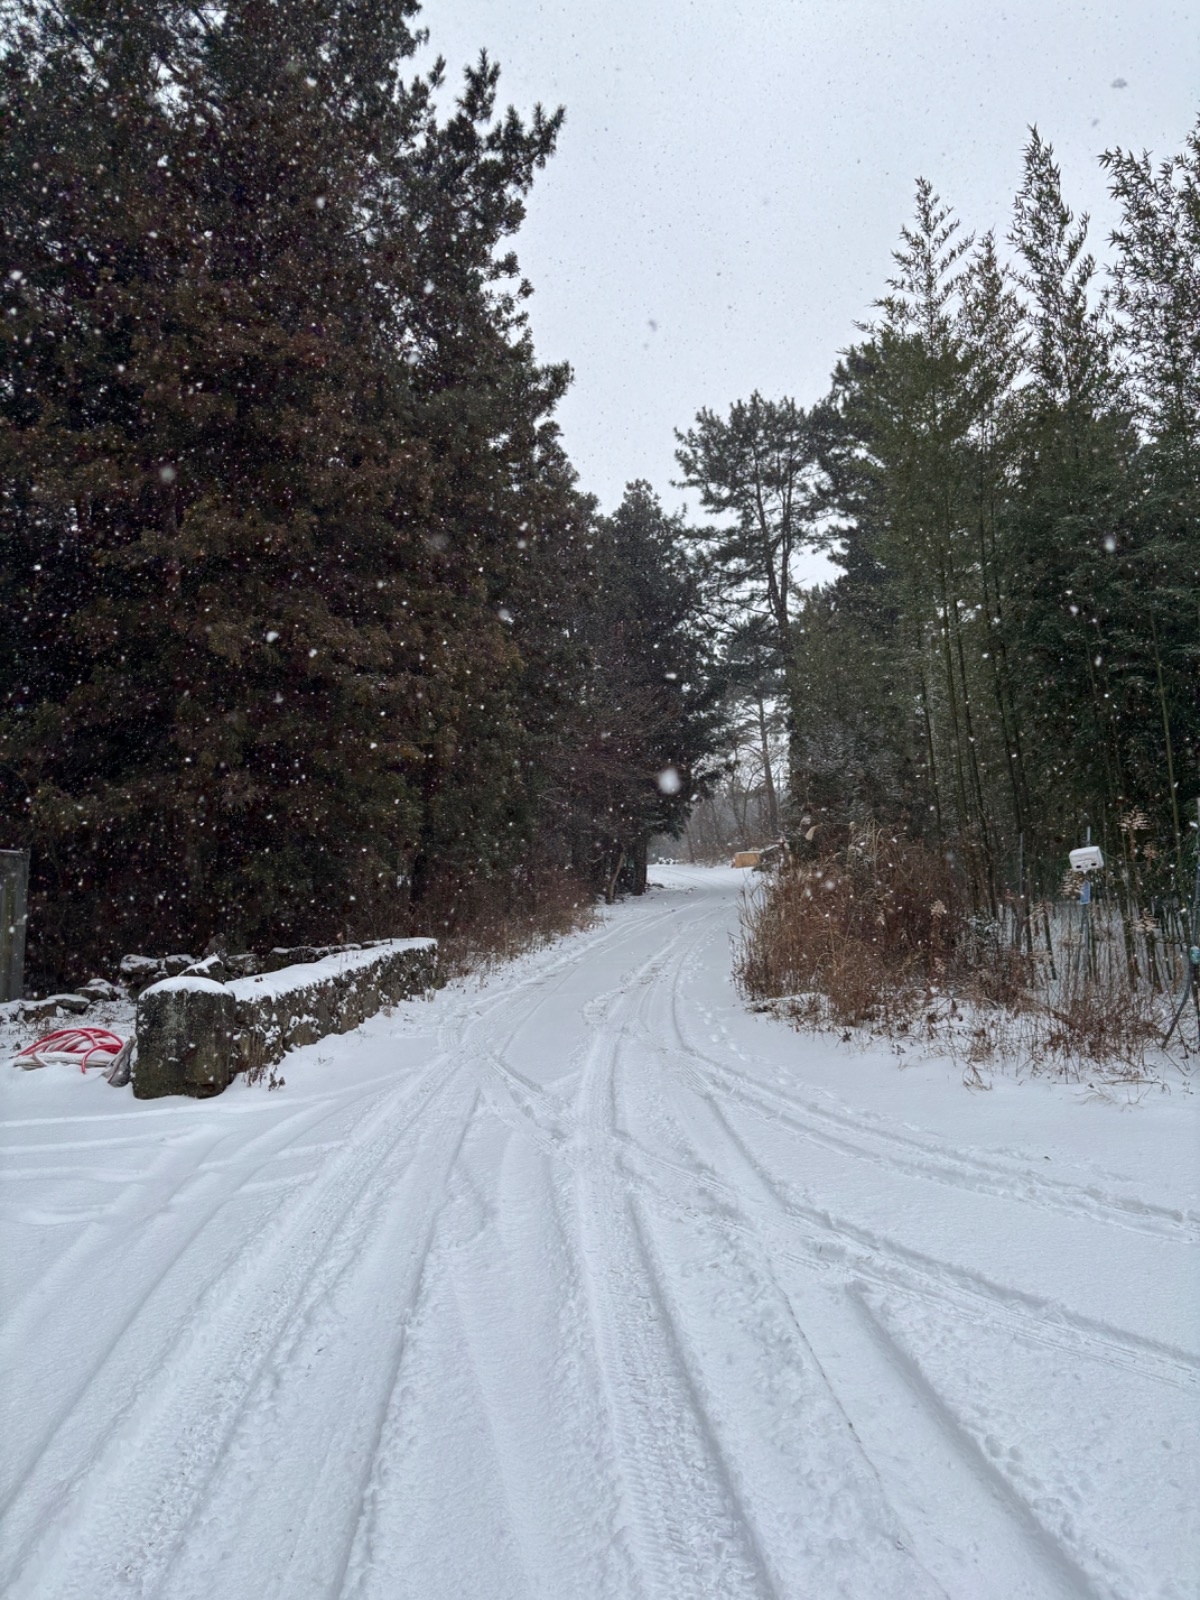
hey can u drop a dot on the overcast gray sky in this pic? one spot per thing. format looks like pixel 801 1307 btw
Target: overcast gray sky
pixel 732 176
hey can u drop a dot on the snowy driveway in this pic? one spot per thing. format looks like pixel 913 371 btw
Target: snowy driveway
pixel 584 1282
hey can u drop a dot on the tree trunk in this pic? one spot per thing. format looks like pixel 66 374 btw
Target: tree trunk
pixel 610 888
pixel 768 775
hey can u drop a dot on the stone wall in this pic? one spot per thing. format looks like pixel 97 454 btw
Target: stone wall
pixel 194 1034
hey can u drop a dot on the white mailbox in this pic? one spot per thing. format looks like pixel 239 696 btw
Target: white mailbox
pixel 1088 858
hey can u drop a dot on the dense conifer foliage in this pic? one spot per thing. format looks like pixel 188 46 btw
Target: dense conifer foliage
pixel 759 469
pixel 308 630
pixel 652 713
pixel 292 560
pixel 1006 471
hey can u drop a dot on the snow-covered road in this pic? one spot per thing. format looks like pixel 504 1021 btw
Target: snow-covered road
pixel 585 1282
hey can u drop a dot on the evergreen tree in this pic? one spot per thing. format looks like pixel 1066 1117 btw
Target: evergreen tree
pixel 753 685
pixel 1156 297
pixel 276 464
pixel 1010 655
pixel 1067 515
pixel 910 398
pixel 760 469
pixel 651 694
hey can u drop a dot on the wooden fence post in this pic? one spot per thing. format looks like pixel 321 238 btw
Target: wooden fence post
pixel 14 915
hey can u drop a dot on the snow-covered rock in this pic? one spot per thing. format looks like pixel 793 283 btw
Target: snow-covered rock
pixel 100 989
pixel 53 1005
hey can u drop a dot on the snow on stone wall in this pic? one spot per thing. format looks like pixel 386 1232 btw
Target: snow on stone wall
pixel 194 1035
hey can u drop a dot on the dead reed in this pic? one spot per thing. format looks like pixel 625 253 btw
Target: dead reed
pixel 484 923
pixel 877 937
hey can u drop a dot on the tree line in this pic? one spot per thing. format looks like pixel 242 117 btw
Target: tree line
pixel 1006 469
pixel 309 632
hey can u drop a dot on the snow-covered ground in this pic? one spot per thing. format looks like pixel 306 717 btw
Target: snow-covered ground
pixel 585 1282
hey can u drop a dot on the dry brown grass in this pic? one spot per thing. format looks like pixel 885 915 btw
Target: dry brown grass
pixel 481 925
pixel 876 937
pixel 1076 1022
pixel 869 929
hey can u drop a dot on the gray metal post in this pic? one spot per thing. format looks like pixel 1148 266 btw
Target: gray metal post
pixel 14 916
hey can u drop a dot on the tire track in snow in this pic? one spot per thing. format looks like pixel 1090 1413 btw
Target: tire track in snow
pixel 906 1449
pixel 526 1107
pixel 688 1537
pixel 162 1305
pixel 835 1246
pixel 545 1117
pixel 1034 1315
pixel 159 1205
pixel 1065 1574
pixel 688 1498
pixel 802 1498
pixel 943 1164
pixel 125 1509
pixel 533 1366
pixel 86 1270
pixel 107 1384
pixel 1031 1312
pixel 1055 1193
pixel 1009 1536
pixel 822 1522
pixel 807 1494
pixel 292 1534
pixel 435 1518
pixel 835 1239
pixel 499 1021
pixel 926 1155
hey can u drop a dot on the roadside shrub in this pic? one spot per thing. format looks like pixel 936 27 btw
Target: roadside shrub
pixel 481 922
pixel 877 935
pixel 870 928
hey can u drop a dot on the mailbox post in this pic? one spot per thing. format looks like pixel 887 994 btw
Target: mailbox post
pixel 1087 859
